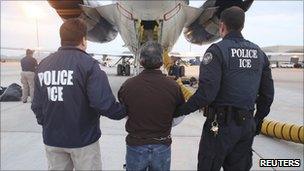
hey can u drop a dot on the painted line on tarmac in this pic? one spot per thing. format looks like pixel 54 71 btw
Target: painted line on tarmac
pixel 261 157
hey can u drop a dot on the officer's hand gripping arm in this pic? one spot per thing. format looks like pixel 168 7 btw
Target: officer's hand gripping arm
pixel 101 97
pixel 209 82
pixel 179 102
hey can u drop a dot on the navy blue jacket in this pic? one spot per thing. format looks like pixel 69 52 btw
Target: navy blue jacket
pixel 71 92
pixel 28 64
pixel 233 72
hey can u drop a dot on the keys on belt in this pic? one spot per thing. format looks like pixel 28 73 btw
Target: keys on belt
pixel 214 126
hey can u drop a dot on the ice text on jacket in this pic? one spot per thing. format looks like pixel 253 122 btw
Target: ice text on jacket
pixel 55 81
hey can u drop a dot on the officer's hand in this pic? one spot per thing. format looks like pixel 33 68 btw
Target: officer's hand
pixel 258 126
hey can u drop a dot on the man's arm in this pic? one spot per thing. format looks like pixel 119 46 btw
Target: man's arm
pixel 209 82
pixel 100 95
pixel 265 95
pixel 180 100
pixel 37 101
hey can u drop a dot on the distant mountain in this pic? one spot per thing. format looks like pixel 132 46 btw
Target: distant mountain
pixel 283 49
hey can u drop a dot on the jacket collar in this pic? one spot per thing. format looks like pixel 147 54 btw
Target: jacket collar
pixel 152 71
pixel 234 34
pixel 71 48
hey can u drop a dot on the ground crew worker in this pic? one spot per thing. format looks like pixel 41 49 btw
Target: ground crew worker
pixel 151 99
pixel 234 76
pixel 28 66
pixel 71 92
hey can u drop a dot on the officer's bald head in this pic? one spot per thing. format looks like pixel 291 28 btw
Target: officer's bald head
pixel 233 18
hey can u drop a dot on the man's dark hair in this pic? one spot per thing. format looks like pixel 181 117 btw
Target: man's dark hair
pixel 233 18
pixel 29 52
pixel 72 32
pixel 151 55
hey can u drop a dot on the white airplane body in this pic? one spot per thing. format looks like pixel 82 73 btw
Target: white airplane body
pixel 140 21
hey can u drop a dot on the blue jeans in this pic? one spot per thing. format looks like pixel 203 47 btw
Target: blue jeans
pixel 148 157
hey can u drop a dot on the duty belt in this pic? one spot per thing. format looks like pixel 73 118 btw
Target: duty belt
pixel 227 113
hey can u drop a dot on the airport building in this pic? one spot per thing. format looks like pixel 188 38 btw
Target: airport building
pixel 279 54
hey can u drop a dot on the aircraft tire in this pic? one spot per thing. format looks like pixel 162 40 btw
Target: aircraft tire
pixel 170 72
pixel 127 70
pixel 182 71
pixel 119 69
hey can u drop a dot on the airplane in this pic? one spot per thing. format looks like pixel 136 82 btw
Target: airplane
pixel 140 21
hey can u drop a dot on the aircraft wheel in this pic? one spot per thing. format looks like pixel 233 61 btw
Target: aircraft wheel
pixel 127 70
pixel 170 72
pixel 182 71
pixel 119 69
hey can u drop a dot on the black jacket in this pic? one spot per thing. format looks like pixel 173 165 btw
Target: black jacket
pixel 28 64
pixel 71 92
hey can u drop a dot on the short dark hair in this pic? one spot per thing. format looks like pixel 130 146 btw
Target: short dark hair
pixel 151 55
pixel 233 18
pixel 29 52
pixel 72 32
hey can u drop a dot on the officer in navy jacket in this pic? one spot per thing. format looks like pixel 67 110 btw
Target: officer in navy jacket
pixel 28 66
pixel 71 93
pixel 234 77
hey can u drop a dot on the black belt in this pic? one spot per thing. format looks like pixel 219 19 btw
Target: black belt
pixel 228 113
pixel 152 138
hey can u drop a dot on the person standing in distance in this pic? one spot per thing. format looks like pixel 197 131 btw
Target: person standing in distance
pixel 71 93
pixel 234 77
pixel 28 66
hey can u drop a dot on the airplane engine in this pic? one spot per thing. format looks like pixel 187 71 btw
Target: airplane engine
pixel 99 29
pixel 204 29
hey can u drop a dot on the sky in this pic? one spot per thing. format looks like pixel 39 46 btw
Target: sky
pixel 267 23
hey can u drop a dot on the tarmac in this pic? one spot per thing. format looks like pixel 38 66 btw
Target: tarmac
pixel 22 147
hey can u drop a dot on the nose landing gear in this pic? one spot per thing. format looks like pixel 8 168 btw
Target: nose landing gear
pixel 123 70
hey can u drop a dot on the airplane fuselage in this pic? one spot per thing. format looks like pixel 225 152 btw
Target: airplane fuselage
pixel 140 21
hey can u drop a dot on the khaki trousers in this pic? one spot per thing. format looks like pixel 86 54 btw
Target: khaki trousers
pixel 27 80
pixel 85 158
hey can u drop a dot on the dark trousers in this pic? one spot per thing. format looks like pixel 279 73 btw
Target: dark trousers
pixel 154 157
pixel 230 149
